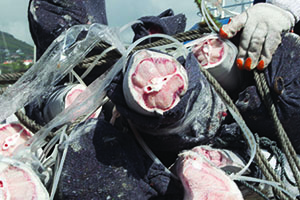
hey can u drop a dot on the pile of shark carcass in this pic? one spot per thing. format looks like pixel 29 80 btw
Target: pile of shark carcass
pixel 152 126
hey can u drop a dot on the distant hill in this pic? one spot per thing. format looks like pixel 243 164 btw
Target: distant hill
pixel 14 49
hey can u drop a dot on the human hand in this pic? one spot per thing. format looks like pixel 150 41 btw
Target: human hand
pixel 262 26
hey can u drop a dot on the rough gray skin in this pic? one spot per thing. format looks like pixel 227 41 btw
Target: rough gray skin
pixel 49 18
pixel 166 23
pixel 254 112
pixel 104 163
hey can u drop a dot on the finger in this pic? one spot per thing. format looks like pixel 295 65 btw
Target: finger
pixel 244 45
pixel 240 63
pixel 235 25
pixel 273 39
pixel 256 45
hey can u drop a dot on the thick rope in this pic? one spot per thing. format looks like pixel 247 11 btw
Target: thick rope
pixel 9 78
pixel 254 189
pixel 286 145
pixel 75 123
pixel 270 174
pixel 111 56
pixel 276 151
pixel 27 122
pixel 181 37
pixel 272 148
pixel 262 162
pixel 24 119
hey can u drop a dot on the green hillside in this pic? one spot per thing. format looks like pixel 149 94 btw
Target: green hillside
pixel 14 49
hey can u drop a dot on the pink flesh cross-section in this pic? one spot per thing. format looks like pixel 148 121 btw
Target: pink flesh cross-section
pixel 11 137
pixel 73 94
pixel 158 82
pixel 215 156
pixel 18 184
pixel 203 181
pixel 19 181
pixel 209 51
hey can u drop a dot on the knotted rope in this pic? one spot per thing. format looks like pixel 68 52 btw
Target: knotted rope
pixel 262 162
pixel 286 145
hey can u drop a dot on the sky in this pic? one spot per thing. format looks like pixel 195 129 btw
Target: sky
pixel 13 13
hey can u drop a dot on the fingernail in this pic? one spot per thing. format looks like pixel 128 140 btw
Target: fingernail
pixel 260 65
pixel 229 20
pixel 248 63
pixel 239 63
pixel 223 34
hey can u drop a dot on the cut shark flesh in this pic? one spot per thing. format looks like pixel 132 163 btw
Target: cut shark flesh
pixel 154 82
pixel 17 181
pixel 61 99
pixel 199 172
pixel 12 136
pixel 218 57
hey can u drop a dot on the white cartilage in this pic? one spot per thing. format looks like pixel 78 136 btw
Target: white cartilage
pixel 11 140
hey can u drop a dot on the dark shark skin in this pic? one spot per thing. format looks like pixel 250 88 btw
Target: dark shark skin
pixel 105 163
pixel 49 18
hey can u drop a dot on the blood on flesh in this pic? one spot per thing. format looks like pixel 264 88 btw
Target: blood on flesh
pixel 11 137
pixel 218 57
pixel 209 51
pixel 154 82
